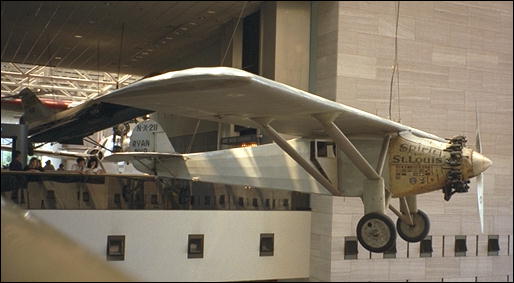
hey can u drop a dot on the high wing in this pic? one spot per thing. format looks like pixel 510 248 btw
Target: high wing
pixel 234 96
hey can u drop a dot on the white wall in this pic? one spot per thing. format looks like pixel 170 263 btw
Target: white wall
pixel 156 242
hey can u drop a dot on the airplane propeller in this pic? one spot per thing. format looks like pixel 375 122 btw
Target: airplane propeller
pixel 480 177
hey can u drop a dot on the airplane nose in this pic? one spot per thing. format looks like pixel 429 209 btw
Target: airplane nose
pixel 480 163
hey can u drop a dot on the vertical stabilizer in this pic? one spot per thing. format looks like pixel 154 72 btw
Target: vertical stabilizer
pixel 33 108
pixel 148 136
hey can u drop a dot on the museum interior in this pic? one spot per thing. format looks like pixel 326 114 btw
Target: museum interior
pixel 257 141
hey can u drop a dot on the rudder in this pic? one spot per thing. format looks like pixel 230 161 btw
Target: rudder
pixel 33 108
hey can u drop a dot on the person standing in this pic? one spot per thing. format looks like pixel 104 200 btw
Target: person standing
pixel 92 167
pixel 34 165
pixel 15 164
pixel 40 165
pixel 79 166
pixel 49 166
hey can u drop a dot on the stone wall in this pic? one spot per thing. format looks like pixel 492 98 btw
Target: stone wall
pixel 452 57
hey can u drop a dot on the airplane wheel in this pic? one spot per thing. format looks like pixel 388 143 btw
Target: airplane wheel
pixel 416 232
pixel 376 232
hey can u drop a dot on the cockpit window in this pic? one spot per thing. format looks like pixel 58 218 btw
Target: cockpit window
pixel 326 149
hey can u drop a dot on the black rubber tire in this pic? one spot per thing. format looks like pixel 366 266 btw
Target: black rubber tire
pixel 401 227
pixel 389 224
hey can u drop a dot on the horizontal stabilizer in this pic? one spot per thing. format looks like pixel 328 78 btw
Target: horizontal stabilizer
pixel 130 156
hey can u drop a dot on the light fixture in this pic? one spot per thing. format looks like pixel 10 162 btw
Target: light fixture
pixel 77 36
pixel 144 53
pixel 192 23
pixel 211 12
pixel 133 59
pixel 163 41
pixel 58 58
pixel 169 37
pixel 149 49
pixel 183 28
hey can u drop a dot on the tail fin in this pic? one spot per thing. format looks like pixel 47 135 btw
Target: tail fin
pixel 148 142
pixel 33 108
pixel 149 136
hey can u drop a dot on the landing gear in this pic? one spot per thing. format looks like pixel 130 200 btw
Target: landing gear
pixel 416 232
pixel 376 232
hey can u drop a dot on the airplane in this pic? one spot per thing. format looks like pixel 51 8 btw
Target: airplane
pixel 16 105
pixel 340 150
pixel 71 125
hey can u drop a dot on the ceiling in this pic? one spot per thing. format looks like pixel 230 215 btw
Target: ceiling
pixel 88 35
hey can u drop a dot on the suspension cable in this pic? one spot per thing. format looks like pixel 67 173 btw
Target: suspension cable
pixel 233 33
pixel 395 66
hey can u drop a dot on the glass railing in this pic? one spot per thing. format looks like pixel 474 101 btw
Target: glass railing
pixel 68 190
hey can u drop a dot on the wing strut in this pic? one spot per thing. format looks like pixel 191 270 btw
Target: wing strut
pixel 346 145
pixel 285 146
pixel 383 154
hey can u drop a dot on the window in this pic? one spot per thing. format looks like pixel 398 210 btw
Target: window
pixel 391 252
pixel 350 248
pixel 326 149
pixel 222 200
pixel 115 247
pixel 493 245
pixel 266 246
pixel 286 203
pixel 14 196
pixel 241 202
pixel 266 203
pixel 322 149
pixel 117 198
pixel 207 200
pixel 425 247
pixel 460 246
pixel 255 203
pixel 50 194
pixel 273 203
pixel 195 246
pixel 251 43
pixel 154 199
pixel 85 196
pixel 183 196
pixel 192 200
pixel 331 150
